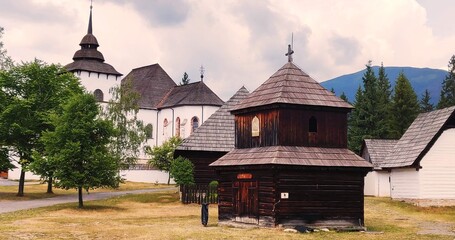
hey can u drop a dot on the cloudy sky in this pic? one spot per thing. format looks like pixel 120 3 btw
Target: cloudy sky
pixel 239 42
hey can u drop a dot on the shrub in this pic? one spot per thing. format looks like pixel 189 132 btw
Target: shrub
pixel 182 171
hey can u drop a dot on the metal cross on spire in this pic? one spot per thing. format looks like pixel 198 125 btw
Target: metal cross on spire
pixel 202 73
pixel 90 29
pixel 289 53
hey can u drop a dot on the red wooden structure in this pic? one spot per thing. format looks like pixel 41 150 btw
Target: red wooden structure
pixel 291 165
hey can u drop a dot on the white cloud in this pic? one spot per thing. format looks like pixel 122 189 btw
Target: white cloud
pixel 238 42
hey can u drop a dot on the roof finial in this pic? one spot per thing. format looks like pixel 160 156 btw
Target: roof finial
pixel 289 53
pixel 89 31
pixel 202 73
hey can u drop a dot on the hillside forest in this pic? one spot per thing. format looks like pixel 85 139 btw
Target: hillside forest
pixel 383 112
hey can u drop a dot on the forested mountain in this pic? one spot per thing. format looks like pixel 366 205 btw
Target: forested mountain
pixel 420 78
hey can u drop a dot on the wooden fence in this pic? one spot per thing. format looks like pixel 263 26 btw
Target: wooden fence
pixel 198 194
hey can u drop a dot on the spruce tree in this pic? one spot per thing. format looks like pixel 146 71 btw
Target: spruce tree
pixel 357 129
pixel 425 104
pixel 383 109
pixel 185 79
pixel 344 97
pixel 447 97
pixel 405 106
pixel 371 102
pixel 365 119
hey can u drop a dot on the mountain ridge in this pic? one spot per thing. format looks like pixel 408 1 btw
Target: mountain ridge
pixel 420 79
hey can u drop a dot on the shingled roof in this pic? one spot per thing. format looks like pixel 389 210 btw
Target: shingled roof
pixel 190 94
pixel 292 155
pixel 217 132
pixel 419 137
pixel 378 150
pixel 152 83
pixel 92 66
pixel 292 86
pixel 88 58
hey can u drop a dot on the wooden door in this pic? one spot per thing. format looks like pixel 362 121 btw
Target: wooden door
pixel 246 199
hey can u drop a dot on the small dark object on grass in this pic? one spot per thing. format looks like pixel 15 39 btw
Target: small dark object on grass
pixel 204 213
pixel 303 229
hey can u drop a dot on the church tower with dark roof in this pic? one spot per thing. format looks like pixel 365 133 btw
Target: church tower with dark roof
pixel 88 64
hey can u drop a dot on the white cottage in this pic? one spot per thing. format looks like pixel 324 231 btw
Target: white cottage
pixel 377 182
pixel 422 162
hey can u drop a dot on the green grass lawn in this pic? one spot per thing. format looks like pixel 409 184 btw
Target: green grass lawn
pixel 161 216
pixel 38 191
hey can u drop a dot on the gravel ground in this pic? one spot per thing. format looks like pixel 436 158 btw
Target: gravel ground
pixel 7 182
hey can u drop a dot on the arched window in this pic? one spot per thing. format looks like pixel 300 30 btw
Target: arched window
pixel 313 125
pixel 255 127
pixel 194 123
pixel 165 123
pixel 99 95
pixel 177 127
pixel 149 131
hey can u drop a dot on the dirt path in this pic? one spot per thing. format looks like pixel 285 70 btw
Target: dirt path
pixel 12 206
pixel 438 228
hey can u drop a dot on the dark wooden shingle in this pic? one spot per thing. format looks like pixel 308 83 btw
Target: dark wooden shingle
pixel 152 83
pixel 418 138
pixel 217 132
pixel 378 150
pixel 190 94
pixel 292 155
pixel 292 86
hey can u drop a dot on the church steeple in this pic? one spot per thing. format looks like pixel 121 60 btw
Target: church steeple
pixel 89 31
pixel 89 45
pixel 88 58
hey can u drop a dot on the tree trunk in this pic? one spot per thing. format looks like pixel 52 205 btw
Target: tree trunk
pixel 169 178
pixel 20 192
pixel 49 185
pixel 81 203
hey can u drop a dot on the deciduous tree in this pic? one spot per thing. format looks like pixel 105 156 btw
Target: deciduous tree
pixel 5 61
pixel 31 92
pixel 122 110
pixel 162 156
pixel 79 147
pixel 182 171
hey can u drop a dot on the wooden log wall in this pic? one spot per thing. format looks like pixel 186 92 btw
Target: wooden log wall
pixel 294 124
pixel 268 133
pixel 321 197
pixel 203 174
pixel 289 127
pixel 266 195
pixel 316 197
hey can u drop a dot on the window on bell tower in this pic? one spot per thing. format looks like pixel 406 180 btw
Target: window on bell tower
pixel 255 127
pixel 313 125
